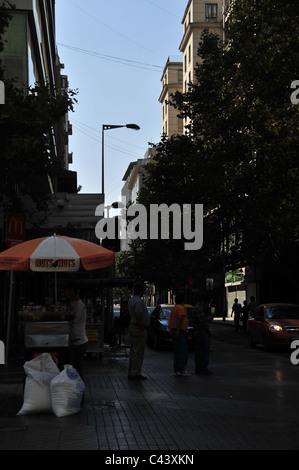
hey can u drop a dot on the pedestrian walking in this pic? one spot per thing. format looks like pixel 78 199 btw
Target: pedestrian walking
pixel 201 316
pixel 178 324
pixel 252 307
pixel 140 320
pixel 245 315
pixel 236 312
pixel 78 338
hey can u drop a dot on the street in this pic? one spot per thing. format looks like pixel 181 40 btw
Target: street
pixel 249 403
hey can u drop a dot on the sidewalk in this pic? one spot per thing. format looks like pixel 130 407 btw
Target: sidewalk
pixel 235 409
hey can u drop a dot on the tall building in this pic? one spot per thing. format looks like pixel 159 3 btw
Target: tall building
pixel 172 81
pixel 30 56
pixel 199 15
pixel 30 51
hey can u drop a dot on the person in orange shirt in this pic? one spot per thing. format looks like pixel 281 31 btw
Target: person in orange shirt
pixel 178 324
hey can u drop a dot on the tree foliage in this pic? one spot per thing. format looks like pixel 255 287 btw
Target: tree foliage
pixel 240 157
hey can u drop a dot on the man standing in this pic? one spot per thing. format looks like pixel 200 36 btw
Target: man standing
pixel 236 311
pixel 201 316
pixel 253 307
pixel 140 320
pixel 78 338
pixel 178 324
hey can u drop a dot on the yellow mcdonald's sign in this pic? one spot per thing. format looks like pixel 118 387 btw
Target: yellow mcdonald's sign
pixel 15 229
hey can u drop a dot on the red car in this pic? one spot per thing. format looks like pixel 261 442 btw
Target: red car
pixel 274 325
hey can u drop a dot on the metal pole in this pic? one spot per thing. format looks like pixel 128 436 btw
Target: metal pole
pixel 103 189
pixel 11 283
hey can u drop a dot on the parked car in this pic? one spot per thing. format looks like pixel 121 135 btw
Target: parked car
pixel 275 324
pixel 150 309
pixel 158 333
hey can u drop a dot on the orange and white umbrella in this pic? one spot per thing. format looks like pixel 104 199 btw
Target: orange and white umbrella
pixel 52 254
pixel 56 254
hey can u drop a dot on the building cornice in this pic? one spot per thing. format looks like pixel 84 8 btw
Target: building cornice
pixel 198 26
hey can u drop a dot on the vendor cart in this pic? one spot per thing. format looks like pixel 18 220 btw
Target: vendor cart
pixel 54 254
pixel 95 335
pixel 48 337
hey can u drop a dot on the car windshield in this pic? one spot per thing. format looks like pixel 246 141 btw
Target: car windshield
pixel 165 312
pixel 283 312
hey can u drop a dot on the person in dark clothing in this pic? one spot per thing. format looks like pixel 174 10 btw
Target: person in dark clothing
pixel 236 311
pixel 245 315
pixel 200 319
pixel 252 307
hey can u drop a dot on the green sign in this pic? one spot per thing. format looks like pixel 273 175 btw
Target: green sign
pixel 234 276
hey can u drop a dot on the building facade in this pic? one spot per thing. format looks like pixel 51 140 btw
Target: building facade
pixel 30 58
pixel 172 81
pixel 133 180
pixel 199 15
pixel 30 51
pixel 178 73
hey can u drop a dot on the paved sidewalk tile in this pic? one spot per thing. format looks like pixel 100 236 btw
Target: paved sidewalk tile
pixel 238 408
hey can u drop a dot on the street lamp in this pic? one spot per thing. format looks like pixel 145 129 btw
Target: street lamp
pixel 107 127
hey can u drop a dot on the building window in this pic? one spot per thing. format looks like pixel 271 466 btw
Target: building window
pixel 211 12
pixel 14 56
pixel 180 77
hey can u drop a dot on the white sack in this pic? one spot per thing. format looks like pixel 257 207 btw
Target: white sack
pixel 67 391
pixel 37 394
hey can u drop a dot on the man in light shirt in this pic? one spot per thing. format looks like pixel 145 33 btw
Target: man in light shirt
pixel 78 338
pixel 140 320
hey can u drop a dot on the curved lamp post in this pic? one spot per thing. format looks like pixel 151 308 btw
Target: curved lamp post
pixel 107 127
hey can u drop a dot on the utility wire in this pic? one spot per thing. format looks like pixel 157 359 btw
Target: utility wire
pixel 161 8
pixel 108 135
pixel 111 29
pixel 95 138
pixel 132 63
pixel 129 62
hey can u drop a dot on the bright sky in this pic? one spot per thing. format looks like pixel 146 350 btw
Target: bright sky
pixel 114 53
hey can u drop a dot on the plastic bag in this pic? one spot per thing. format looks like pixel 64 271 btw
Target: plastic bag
pixel 67 390
pixel 37 394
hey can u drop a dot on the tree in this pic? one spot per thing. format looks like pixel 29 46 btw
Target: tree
pixel 240 158
pixel 248 128
pixel 264 62
pixel 27 155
